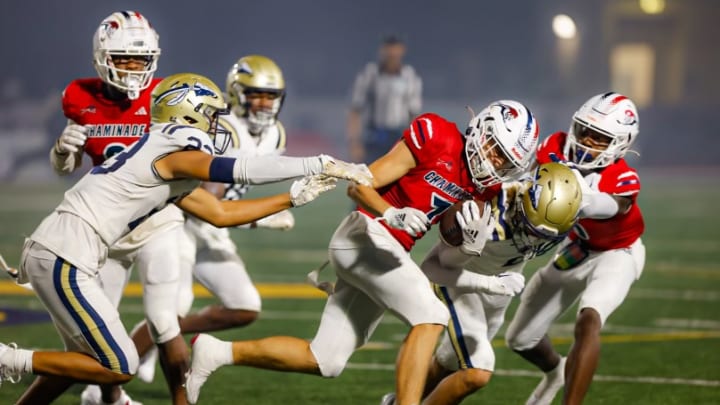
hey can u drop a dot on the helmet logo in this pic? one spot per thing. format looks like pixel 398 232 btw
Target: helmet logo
pixel 245 68
pixel 628 119
pixel 108 28
pixel 179 93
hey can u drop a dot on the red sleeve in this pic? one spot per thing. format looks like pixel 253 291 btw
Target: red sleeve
pixel 424 136
pixel 551 149
pixel 69 101
pixel 620 179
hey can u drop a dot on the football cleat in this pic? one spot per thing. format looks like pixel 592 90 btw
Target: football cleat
pixel 388 399
pixel 7 372
pixel 205 360
pixel 549 385
pixel 92 395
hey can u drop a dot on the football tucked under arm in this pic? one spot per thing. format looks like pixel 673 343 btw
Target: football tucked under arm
pixel 450 231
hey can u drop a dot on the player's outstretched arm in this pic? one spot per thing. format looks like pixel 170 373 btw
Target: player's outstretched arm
pixel 207 207
pixel 66 153
pixel 204 205
pixel 386 170
pixel 256 170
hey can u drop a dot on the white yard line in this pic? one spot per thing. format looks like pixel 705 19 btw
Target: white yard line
pixel 674 295
pixel 537 374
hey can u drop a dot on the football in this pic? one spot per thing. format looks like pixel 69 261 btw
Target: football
pixel 450 230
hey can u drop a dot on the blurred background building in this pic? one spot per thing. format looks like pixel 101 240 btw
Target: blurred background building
pixel 551 54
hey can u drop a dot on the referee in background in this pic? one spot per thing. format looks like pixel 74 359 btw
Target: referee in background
pixel 386 96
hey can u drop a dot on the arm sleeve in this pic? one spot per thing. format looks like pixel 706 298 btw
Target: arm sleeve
pixel 598 205
pixel 263 169
pixel 65 163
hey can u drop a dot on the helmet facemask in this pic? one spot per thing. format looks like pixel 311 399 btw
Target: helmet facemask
pixel 222 138
pixel 589 157
pixel 128 81
pixel 263 117
pixel 481 149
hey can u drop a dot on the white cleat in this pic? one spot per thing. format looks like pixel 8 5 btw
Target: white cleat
pixel 388 399
pixel 146 369
pixel 92 395
pixel 7 372
pixel 206 355
pixel 551 383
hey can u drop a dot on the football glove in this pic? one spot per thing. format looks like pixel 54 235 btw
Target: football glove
pixel 408 219
pixel 476 228
pixel 309 188
pixel 72 138
pixel 508 284
pixel 283 220
pixel 359 173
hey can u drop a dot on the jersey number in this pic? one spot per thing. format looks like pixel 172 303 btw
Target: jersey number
pixel 120 158
pixel 439 205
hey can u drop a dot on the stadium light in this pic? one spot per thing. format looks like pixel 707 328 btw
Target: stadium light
pixel 564 27
pixel 652 6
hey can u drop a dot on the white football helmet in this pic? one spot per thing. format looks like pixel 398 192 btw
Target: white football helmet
pixel 611 115
pixel 505 129
pixel 126 33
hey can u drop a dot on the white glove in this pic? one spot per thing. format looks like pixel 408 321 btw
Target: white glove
pixel 509 284
pixel 283 220
pixel 309 188
pixel 476 228
pixel 72 139
pixel 408 219
pixel 359 173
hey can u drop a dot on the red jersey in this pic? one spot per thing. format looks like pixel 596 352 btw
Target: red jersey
pixel 618 179
pixel 115 123
pixel 441 177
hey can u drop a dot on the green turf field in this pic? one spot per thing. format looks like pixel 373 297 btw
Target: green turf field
pixel 661 347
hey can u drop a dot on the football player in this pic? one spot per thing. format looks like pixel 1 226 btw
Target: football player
pixel 429 169
pixel 531 217
pixel 61 257
pixel 256 91
pixel 600 259
pixel 106 114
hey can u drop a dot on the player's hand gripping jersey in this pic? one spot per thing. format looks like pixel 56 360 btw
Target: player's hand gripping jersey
pixel 441 177
pixel 617 179
pixel 112 124
pixel 115 197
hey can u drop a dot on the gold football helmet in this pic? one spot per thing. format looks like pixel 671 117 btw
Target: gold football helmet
pixel 549 204
pixel 255 74
pixel 194 100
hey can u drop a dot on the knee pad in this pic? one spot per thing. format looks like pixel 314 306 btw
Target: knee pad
pixel 163 325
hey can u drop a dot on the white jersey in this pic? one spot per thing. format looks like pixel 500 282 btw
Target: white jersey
pixel 117 196
pixel 271 141
pixel 509 247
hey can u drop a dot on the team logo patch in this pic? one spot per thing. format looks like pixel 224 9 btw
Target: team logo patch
pixel 628 118
pixel 88 110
